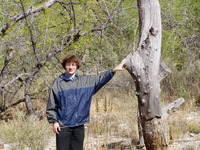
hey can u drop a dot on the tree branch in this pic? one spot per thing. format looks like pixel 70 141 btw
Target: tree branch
pixel 13 80
pixel 27 13
pixel 169 108
pixel 30 32
pixel 164 71
pixel 18 102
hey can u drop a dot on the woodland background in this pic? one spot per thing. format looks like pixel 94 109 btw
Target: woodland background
pixel 101 33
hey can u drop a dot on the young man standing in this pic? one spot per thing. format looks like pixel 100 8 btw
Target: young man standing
pixel 69 103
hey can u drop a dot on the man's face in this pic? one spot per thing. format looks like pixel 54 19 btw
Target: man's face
pixel 71 68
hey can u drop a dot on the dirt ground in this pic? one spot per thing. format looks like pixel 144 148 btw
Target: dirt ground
pixel 189 141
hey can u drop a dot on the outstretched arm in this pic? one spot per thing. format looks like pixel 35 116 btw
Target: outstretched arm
pixel 120 66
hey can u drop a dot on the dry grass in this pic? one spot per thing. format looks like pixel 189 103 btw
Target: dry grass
pixel 114 111
pixel 113 118
pixel 184 83
pixel 25 132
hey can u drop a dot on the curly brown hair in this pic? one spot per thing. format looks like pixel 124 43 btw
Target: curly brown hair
pixel 71 58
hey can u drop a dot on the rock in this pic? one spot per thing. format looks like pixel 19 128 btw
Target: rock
pixel 6 146
pixel 192 134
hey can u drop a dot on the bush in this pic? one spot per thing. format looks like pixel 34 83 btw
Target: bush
pixel 25 132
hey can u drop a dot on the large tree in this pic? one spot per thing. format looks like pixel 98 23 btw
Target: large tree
pixel 144 66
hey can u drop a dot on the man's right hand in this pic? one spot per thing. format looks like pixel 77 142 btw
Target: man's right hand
pixel 120 66
pixel 56 128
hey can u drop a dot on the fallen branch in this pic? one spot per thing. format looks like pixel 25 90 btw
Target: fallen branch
pixel 168 109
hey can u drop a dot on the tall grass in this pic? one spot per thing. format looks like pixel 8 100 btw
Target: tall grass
pixel 25 132
pixel 183 83
pixel 113 116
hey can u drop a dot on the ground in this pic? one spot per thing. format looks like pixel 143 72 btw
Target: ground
pixel 190 141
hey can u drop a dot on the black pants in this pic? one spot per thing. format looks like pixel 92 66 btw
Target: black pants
pixel 70 138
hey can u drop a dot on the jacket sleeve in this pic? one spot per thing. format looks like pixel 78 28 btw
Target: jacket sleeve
pixel 102 79
pixel 51 110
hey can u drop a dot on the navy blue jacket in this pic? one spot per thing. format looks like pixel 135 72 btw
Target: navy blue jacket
pixel 69 100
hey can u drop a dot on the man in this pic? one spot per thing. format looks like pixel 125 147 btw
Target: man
pixel 69 103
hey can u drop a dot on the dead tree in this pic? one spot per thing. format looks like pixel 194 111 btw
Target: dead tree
pixel 147 72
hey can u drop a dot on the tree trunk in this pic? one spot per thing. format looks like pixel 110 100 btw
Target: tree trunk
pixel 144 66
pixel 29 105
pixel 154 137
pixel 28 102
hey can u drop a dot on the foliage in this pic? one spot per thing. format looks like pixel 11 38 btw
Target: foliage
pixel 35 44
pixel 181 84
pixel 101 33
pixel 181 31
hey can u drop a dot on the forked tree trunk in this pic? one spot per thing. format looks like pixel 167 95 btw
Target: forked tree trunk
pixel 144 66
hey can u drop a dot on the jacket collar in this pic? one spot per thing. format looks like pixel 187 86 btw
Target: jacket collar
pixel 65 77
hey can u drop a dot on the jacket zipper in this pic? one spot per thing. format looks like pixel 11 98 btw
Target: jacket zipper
pixel 75 99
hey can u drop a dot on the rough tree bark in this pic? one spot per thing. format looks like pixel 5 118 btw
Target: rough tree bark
pixel 144 66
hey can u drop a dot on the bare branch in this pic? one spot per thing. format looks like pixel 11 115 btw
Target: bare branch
pixel 168 109
pixel 164 71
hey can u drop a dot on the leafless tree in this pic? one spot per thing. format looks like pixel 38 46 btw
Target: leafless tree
pixel 147 73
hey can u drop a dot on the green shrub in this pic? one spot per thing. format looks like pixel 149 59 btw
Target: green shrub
pixel 194 128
